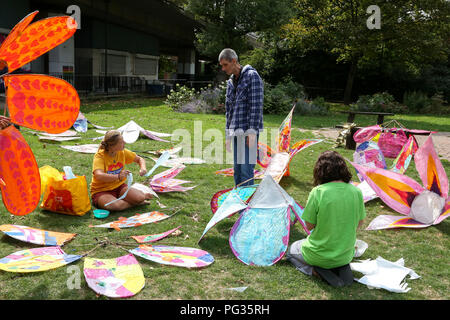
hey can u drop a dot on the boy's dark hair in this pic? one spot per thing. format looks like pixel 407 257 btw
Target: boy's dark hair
pixel 331 166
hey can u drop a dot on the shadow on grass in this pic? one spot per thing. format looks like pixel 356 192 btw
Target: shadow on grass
pixel 217 246
pixel 443 227
pixel 286 182
pixel 40 292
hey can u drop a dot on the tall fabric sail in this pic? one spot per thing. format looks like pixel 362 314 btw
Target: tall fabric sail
pixel 19 171
pixel 42 102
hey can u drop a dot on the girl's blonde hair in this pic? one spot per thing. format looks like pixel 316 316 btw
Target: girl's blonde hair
pixel 110 139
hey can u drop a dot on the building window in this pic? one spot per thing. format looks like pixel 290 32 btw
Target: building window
pixel 116 64
pixel 145 66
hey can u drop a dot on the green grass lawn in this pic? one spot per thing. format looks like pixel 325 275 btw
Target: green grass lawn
pixel 425 250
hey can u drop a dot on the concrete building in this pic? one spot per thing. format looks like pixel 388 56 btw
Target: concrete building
pixel 118 45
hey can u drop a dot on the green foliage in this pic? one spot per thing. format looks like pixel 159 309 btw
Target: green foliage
pixel 419 102
pixel 318 106
pixel 379 102
pixel 226 23
pixel 208 100
pixel 181 95
pixel 412 34
pixel 416 101
pixel 280 98
pixel 165 65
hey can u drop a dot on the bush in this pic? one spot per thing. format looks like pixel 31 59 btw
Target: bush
pixel 416 101
pixel 316 107
pixel 208 100
pixel 279 99
pixel 379 102
pixel 437 105
pixel 180 96
pixel 419 102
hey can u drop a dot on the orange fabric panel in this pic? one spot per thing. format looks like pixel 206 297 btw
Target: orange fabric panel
pixel 41 102
pixel 17 30
pixel 37 39
pixel 18 169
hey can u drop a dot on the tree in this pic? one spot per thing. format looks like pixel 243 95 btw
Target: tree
pixel 411 33
pixel 227 22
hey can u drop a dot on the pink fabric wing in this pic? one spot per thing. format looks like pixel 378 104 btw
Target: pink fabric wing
pixel 445 212
pixel 392 222
pixel 367 133
pixel 264 154
pixel 430 169
pixel 168 174
pixel 152 136
pixel 396 190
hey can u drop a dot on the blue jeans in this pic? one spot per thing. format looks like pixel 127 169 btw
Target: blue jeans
pixel 244 160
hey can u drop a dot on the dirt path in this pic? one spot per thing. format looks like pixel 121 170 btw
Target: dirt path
pixel 441 139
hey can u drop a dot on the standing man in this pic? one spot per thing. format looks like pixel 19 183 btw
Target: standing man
pixel 244 114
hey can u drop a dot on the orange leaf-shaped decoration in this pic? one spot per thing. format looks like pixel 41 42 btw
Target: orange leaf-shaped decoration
pixel 17 30
pixel 37 39
pixel 18 169
pixel 41 102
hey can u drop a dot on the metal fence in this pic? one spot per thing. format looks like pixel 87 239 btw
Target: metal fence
pixel 88 85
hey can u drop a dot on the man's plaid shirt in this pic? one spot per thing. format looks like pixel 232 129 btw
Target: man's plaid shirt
pixel 244 103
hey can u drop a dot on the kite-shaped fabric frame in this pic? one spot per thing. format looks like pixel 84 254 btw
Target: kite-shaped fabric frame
pixel 396 190
pixel 165 182
pixel 81 123
pixel 284 133
pixel 244 192
pixel 174 256
pixel 36 236
pixel 275 164
pixel 84 148
pixel 21 190
pixel 430 169
pixel 36 260
pixel 57 139
pixel 173 162
pixel 67 133
pixel 368 153
pixel 399 191
pixel 229 172
pixel 115 278
pixel 366 133
pixel 401 163
pixel 17 30
pixel 131 131
pixel 134 221
pixel 28 41
pixel 231 205
pixel 154 237
pixel 41 102
pixel 261 234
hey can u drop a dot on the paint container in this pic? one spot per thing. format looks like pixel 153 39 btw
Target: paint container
pixel 101 213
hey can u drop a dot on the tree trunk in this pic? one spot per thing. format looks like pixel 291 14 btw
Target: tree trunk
pixel 350 79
